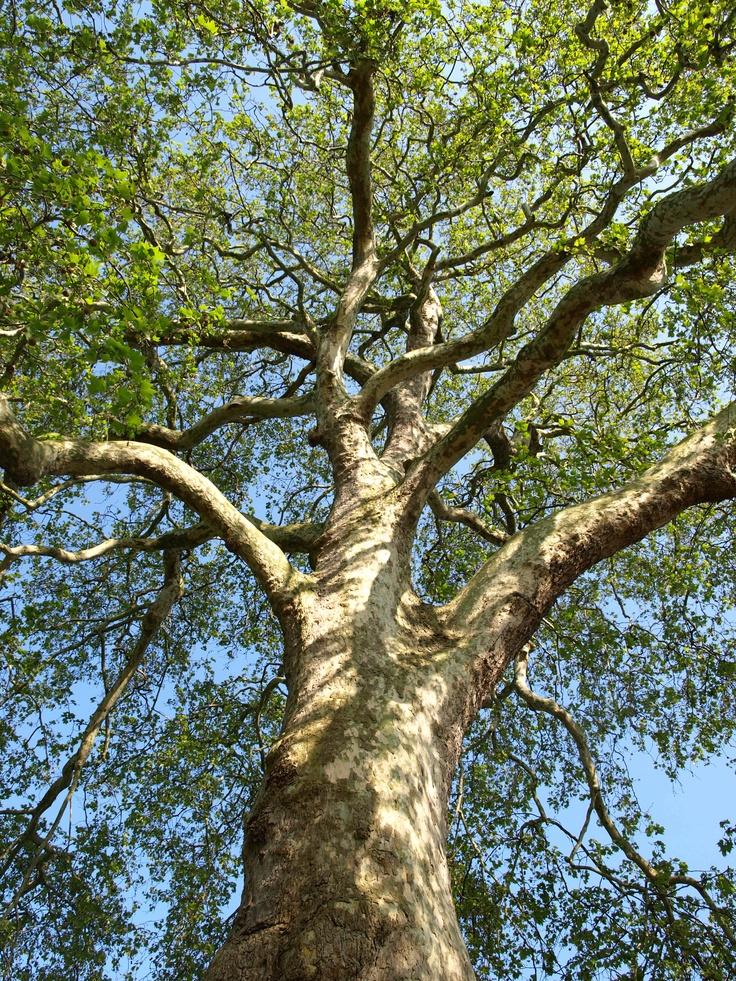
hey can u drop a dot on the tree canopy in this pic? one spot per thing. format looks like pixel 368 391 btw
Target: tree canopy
pixel 499 236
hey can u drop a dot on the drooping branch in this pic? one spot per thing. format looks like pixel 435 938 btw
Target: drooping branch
pixel 551 707
pixel 26 460
pixel 167 597
pixel 660 878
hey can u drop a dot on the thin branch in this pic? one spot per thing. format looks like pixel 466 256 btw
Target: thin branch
pixel 551 707
pixel 167 597
pixel 462 516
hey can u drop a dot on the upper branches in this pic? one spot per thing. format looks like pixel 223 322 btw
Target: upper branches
pixel 639 273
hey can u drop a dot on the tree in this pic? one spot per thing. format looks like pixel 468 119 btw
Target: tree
pixel 365 429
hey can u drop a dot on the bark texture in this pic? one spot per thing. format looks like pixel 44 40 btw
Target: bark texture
pixel 346 875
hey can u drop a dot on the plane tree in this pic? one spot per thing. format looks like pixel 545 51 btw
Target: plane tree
pixel 368 465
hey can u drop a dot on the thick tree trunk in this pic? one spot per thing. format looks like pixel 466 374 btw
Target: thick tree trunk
pixel 346 875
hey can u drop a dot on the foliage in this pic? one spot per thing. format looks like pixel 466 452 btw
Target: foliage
pixel 177 223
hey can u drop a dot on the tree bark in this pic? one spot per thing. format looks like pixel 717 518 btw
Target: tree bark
pixel 346 874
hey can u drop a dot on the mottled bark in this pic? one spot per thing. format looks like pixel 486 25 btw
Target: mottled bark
pixel 346 875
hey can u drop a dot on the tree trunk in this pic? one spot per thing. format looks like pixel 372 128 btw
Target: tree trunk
pixel 345 868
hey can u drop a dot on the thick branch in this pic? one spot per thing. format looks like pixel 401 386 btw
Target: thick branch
pixel 26 460
pixel 335 340
pixel 407 432
pixel 359 162
pixel 536 565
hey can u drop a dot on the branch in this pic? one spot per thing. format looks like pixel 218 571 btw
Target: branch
pixel 358 162
pixel 42 499
pixel 407 431
pixel 167 597
pixel 300 537
pixel 334 343
pixel 514 589
pixel 640 273
pixel 26 460
pixel 462 516
pixel 498 327
pixel 660 879
pixel 340 433
pixel 253 337
pixel 550 706
pixel 176 539
pixel 242 409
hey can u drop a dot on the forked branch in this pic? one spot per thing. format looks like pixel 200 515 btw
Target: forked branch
pixel 640 273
